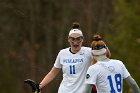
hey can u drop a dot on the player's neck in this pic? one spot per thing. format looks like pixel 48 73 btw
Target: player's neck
pixel 74 51
pixel 101 58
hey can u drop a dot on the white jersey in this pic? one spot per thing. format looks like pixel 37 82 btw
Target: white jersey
pixel 107 76
pixel 74 67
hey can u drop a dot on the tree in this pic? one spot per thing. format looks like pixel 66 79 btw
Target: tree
pixel 33 32
pixel 123 36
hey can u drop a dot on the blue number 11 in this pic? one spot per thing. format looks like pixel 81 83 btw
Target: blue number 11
pixel 72 69
pixel 117 81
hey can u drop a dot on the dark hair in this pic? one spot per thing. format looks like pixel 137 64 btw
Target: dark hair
pixel 97 42
pixel 97 37
pixel 75 25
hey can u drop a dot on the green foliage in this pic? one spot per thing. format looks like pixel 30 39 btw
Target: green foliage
pixel 125 41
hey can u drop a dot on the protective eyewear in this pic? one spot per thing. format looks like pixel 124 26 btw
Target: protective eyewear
pixel 97 47
pixel 76 39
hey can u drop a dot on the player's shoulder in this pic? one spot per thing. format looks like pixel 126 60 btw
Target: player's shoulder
pixel 86 48
pixel 94 66
pixel 86 51
pixel 93 69
pixel 83 48
pixel 117 61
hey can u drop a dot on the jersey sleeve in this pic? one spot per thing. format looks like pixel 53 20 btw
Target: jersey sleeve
pixel 91 75
pixel 57 63
pixel 125 71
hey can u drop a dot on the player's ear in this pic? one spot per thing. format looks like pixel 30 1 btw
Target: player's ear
pixel 68 39
pixel 108 54
pixel 83 39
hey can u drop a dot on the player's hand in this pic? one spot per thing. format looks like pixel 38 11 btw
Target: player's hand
pixel 34 85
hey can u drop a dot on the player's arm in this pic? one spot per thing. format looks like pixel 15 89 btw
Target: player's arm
pixel 132 83
pixel 88 88
pixel 49 77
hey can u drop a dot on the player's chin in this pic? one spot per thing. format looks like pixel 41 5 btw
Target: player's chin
pixel 76 46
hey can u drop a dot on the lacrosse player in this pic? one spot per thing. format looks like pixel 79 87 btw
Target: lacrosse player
pixel 74 62
pixel 107 74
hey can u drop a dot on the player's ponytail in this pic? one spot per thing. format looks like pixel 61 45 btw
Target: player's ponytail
pixel 99 44
pixel 76 29
pixel 97 37
pixel 97 41
pixel 75 25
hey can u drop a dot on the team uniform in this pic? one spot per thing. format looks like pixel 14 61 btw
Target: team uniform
pixel 74 67
pixel 107 76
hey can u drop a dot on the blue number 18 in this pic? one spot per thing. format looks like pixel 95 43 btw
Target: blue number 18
pixel 117 81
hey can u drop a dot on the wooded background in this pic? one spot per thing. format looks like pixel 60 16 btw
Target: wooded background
pixel 33 31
